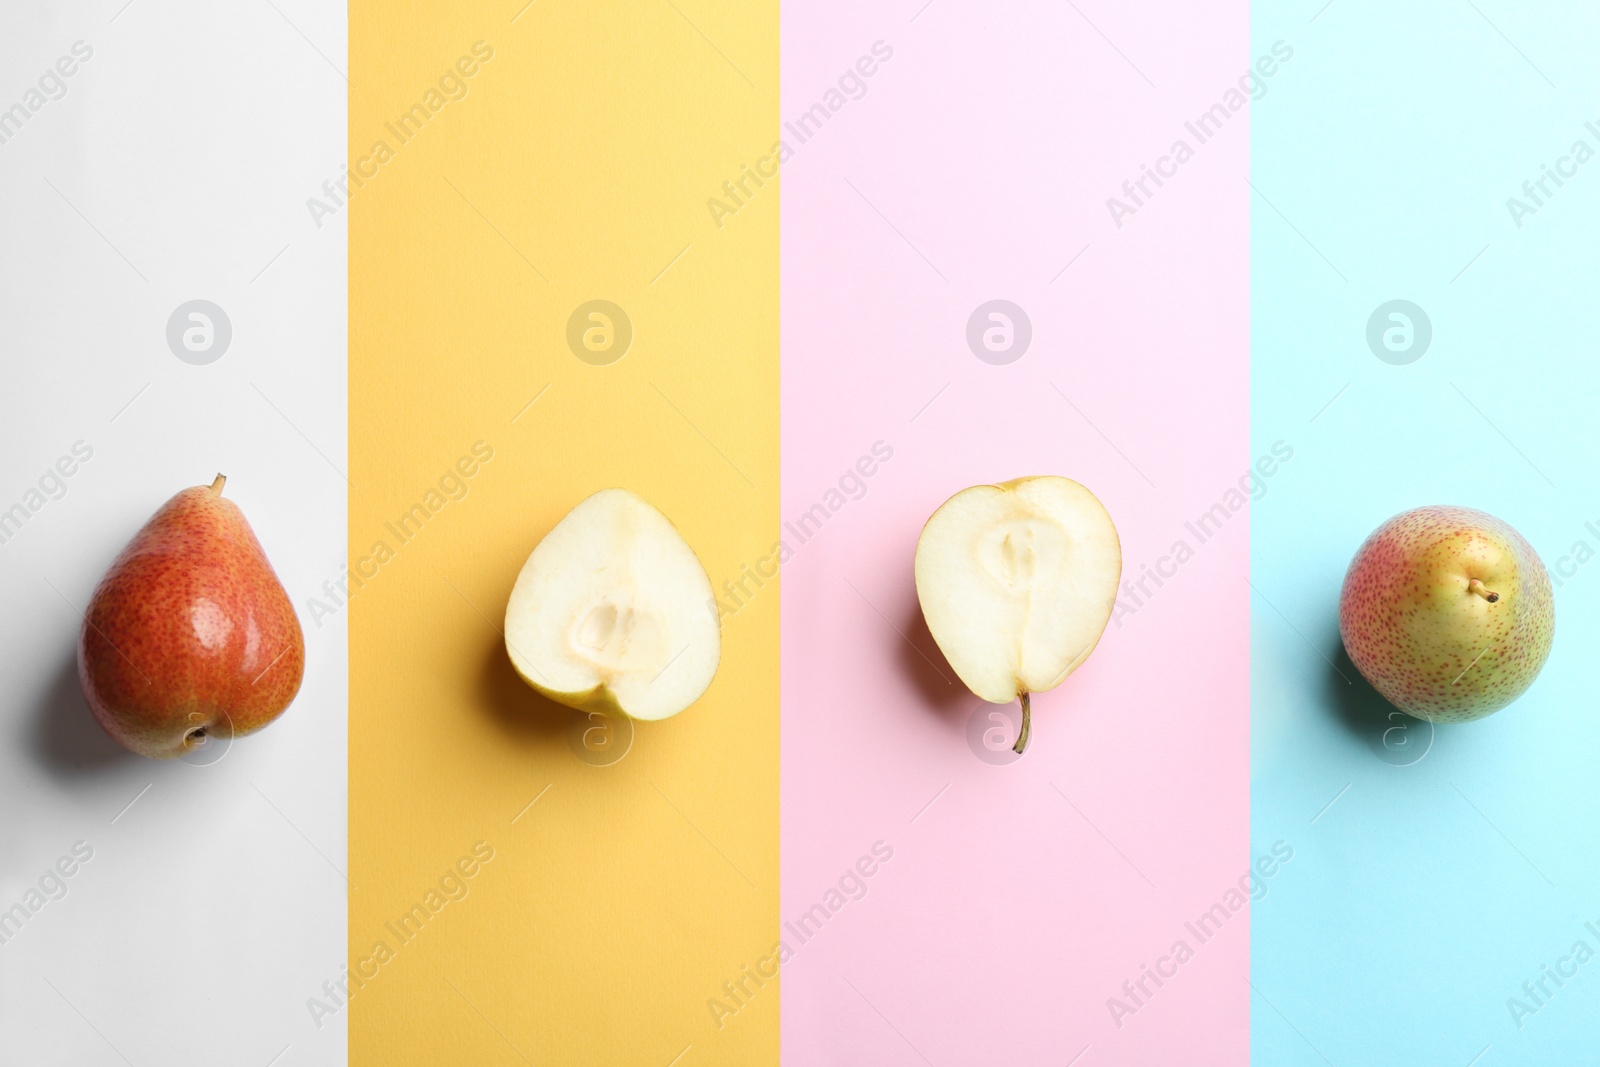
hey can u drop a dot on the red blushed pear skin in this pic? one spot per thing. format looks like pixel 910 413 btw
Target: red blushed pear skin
pixel 189 637
pixel 1448 613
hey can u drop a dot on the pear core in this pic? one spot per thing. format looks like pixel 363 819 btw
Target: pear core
pixel 613 612
pixel 1017 582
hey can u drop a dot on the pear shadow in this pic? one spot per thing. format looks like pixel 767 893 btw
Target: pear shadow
pixel 66 738
pixel 1359 708
pixel 1394 737
pixel 930 673
pixel 517 708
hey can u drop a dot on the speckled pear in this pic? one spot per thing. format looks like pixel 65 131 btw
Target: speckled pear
pixel 1448 613
pixel 190 638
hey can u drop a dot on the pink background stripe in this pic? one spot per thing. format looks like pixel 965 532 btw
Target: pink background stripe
pixel 977 165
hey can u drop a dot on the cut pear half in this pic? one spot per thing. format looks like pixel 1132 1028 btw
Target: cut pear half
pixel 1017 582
pixel 614 613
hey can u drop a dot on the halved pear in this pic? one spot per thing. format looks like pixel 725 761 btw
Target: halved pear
pixel 614 613
pixel 1017 582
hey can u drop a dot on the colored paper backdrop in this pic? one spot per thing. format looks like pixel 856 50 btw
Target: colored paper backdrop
pixel 1436 870
pixel 167 312
pixel 581 895
pixel 953 175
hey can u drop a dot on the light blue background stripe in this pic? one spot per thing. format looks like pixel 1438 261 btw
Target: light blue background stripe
pixel 1383 157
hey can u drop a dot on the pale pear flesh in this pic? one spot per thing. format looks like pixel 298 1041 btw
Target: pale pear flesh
pixel 1017 582
pixel 613 612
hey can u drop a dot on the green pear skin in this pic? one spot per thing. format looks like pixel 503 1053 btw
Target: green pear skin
pixel 1448 613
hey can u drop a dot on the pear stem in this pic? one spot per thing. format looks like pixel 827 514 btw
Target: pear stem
pixel 1478 587
pixel 216 486
pixel 1027 726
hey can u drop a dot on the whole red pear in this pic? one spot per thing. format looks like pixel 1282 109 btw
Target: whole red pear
pixel 189 637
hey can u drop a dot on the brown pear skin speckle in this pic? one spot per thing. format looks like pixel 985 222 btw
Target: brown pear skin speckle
pixel 190 630
pixel 1434 644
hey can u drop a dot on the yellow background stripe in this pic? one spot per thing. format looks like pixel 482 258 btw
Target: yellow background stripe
pixel 573 163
